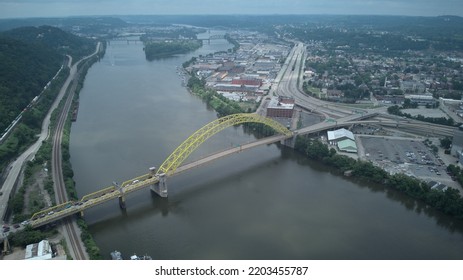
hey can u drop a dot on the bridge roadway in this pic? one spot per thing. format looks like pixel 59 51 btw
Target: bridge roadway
pixel 113 192
pixel 117 192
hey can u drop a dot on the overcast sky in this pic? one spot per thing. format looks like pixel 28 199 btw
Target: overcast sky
pixel 62 8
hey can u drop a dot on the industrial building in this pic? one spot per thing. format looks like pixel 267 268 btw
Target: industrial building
pixel 343 139
pixel 335 136
pixel 421 99
pixel 39 251
pixel 281 107
pixel 347 145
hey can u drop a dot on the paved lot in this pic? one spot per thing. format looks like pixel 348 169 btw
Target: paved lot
pixel 429 113
pixel 411 157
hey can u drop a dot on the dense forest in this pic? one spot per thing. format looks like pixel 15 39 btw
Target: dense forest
pixel 55 39
pixel 29 59
pixel 18 84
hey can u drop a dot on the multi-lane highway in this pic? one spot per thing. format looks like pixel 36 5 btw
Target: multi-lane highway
pixel 290 84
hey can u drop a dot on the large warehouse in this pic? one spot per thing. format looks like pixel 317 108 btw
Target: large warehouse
pixel 343 139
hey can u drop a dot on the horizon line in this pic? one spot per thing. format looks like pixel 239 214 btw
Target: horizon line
pixel 199 15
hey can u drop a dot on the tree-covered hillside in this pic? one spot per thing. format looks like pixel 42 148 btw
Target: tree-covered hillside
pixel 29 58
pixel 24 70
pixel 55 39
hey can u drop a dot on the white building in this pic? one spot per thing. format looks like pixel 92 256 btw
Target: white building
pixel 343 139
pixel 339 135
pixel 39 251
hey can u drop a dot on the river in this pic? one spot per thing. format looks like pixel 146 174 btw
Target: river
pixel 264 203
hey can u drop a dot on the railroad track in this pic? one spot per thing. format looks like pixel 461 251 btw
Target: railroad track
pixel 57 171
pixel 60 188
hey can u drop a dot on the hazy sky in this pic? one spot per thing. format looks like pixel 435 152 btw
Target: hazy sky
pixel 61 8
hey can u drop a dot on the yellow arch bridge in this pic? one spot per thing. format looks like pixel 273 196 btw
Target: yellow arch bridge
pixel 156 179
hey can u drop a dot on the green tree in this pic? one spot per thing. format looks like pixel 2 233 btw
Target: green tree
pixel 446 142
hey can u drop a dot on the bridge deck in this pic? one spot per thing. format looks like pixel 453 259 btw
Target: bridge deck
pixel 146 180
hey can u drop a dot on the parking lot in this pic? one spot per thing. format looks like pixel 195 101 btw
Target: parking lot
pixel 411 157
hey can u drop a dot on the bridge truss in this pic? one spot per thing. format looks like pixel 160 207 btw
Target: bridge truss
pixel 169 166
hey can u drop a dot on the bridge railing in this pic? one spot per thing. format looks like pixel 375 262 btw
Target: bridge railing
pixel 52 210
pixel 98 193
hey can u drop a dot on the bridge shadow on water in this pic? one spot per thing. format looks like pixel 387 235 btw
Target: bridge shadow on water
pixel 140 205
pixel 182 188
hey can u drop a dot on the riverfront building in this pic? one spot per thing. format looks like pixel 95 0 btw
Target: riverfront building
pixel 343 139
pixel 281 107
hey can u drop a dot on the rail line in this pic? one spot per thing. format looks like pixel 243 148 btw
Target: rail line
pixel 58 179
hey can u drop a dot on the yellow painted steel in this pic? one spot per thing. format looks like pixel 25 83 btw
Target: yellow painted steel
pixel 53 208
pixel 168 167
pixel 98 193
pixel 137 179
pixel 200 136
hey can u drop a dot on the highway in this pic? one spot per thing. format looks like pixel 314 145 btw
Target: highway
pixel 289 83
pixel 289 86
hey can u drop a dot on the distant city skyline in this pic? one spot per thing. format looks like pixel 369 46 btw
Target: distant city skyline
pixel 64 8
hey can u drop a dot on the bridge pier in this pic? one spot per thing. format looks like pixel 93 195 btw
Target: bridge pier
pixel 161 187
pixel 121 196
pixel 122 202
pixel 289 142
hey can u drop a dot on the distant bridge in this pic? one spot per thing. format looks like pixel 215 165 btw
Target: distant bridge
pixel 213 37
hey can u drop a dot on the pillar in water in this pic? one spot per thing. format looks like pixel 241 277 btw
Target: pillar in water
pixel 160 187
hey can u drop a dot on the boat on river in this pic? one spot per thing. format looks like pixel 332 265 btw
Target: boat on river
pixel 116 255
pixel 134 257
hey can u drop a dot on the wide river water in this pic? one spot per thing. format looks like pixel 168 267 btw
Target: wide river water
pixel 264 203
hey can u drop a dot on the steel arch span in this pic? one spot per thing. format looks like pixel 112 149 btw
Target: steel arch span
pixel 200 136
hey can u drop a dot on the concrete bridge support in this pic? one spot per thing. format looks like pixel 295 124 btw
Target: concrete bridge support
pixel 161 187
pixel 122 202
pixel 121 196
pixel 290 142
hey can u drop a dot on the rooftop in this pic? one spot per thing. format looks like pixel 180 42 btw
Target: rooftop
pixel 340 133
